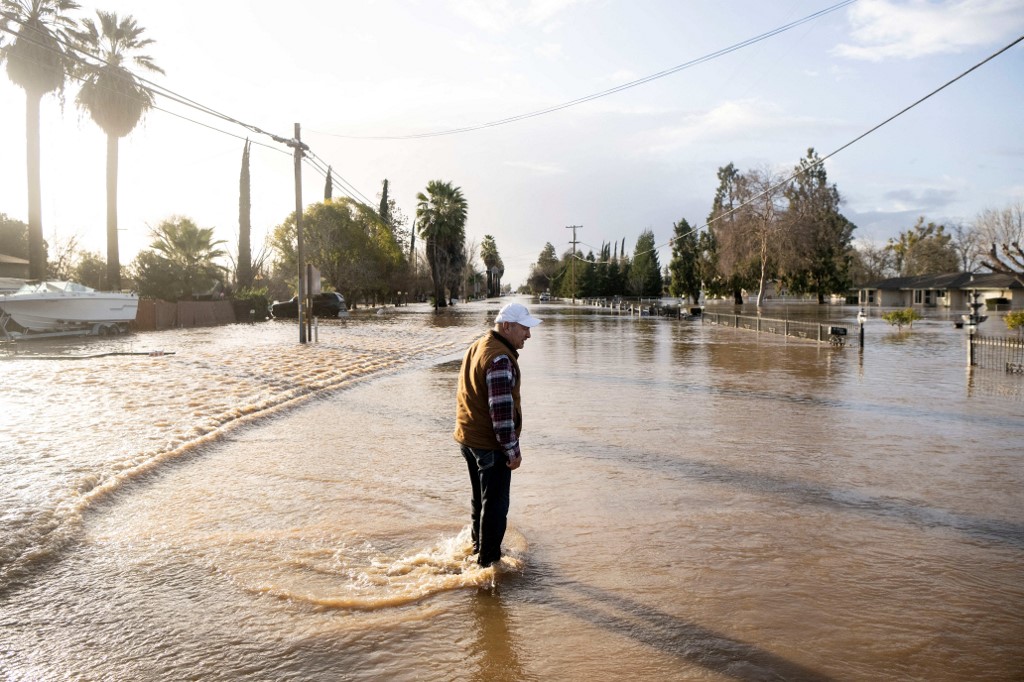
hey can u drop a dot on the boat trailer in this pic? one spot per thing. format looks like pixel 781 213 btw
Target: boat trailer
pixel 97 329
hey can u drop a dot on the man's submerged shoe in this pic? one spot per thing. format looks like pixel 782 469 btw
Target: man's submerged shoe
pixel 484 563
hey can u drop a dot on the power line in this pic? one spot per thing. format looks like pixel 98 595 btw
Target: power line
pixel 611 91
pixel 320 166
pixel 155 107
pixel 73 50
pixel 822 160
pixel 324 165
pixel 76 52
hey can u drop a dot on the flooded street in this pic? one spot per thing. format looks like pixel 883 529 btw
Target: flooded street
pixel 695 503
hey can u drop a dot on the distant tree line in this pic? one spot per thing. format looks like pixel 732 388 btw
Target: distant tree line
pixel 762 229
pixel 993 241
pixel 608 273
pixel 786 231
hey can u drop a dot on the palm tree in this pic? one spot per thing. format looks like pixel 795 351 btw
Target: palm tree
pixel 441 221
pixel 492 264
pixel 37 62
pixel 115 99
pixel 188 251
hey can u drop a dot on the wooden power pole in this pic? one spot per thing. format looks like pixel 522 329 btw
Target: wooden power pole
pixel 300 252
pixel 574 228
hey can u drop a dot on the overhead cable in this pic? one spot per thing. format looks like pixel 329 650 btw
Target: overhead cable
pixel 604 93
pixel 75 52
pixel 75 49
pixel 860 137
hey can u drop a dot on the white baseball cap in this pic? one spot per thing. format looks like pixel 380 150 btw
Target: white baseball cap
pixel 517 312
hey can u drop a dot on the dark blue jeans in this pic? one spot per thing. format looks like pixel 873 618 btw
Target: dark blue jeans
pixel 491 479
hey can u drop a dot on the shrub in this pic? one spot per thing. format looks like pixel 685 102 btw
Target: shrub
pixel 255 299
pixel 1015 320
pixel 898 318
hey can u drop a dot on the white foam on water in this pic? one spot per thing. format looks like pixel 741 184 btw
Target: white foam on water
pixel 77 432
pixel 366 579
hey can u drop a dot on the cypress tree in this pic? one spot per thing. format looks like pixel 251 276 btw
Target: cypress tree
pixel 244 274
pixel 385 211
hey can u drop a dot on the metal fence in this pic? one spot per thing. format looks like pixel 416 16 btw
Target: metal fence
pixel 1006 354
pixel 812 331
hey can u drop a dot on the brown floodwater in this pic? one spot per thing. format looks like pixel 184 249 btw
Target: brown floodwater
pixel 695 503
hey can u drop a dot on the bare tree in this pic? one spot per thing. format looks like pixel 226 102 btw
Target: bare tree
pixel 872 263
pixel 1004 231
pixel 967 243
pixel 761 189
pixel 63 257
pixel 471 277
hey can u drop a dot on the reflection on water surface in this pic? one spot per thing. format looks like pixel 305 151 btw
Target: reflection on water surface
pixel 694 503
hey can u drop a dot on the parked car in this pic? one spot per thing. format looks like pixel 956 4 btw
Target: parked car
pixel 325 304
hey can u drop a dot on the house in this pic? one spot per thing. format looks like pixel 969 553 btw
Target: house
pixel 951 291
pixel 12 266
pixel 13 273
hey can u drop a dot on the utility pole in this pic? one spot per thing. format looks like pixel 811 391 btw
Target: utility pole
pixel 574 228
pixel 300 252
pixel 296 144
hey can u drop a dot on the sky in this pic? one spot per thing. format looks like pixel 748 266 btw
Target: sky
pixel 367 79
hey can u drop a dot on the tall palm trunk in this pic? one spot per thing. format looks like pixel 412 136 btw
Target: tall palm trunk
pixel 115 100
pixel 113 259
pixel 438 273
pixel 36 248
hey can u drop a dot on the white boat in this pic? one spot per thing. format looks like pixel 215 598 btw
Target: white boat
pixel 55 306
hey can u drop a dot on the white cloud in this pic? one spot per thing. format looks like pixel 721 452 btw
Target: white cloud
pixel 549 50
pixel 739 129
pixel 482 50
pixel 621 77
pixel 488 15
pixel 540 11
pixel 922 199
pixel 501 15
pixel 839 73
pixel 729 120
pixel 537 168
pixel 886 29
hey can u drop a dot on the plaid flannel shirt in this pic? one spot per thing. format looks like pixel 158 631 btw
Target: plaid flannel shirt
pixel 500 380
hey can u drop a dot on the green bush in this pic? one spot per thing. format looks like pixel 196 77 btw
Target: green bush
pixel 1015 320
pixel 255 300
pixel 898 318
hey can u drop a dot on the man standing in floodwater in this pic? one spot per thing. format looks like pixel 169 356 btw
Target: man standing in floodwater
pixel 488 420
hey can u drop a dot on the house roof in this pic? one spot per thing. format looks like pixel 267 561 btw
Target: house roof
pixel 950 280
pixel 12 260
